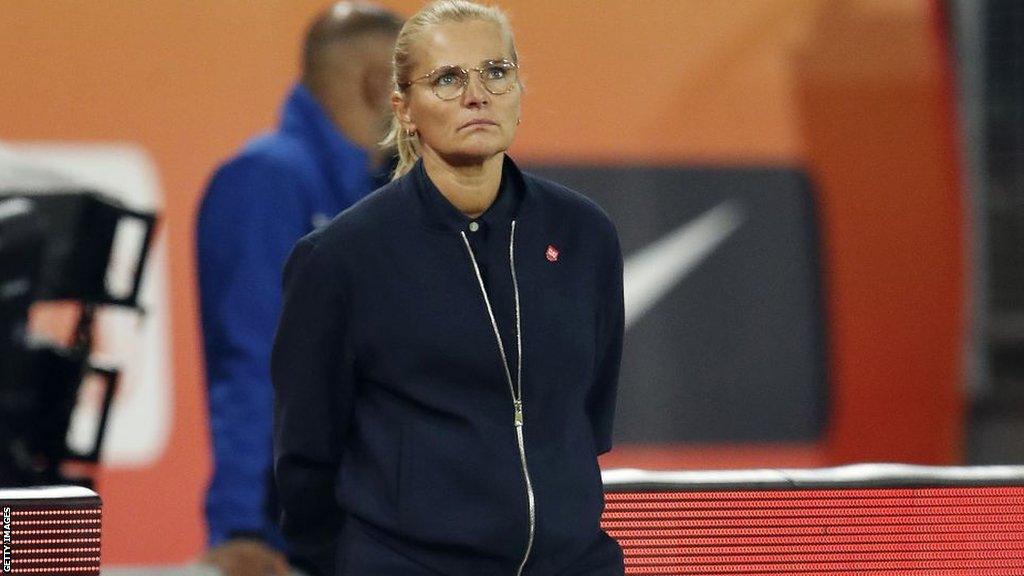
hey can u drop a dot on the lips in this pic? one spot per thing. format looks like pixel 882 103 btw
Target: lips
pixel 478 122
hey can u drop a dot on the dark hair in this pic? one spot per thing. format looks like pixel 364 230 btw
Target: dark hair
pixel 340 23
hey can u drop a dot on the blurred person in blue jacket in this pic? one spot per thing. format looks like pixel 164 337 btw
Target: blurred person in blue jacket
pixel 322 158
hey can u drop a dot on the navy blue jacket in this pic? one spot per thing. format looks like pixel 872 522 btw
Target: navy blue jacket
pixel 257 206
pixel 396 450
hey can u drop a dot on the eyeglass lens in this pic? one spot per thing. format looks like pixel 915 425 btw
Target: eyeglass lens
pixel 449 82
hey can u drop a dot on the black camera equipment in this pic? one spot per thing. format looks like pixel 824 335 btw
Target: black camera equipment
pixel 57 246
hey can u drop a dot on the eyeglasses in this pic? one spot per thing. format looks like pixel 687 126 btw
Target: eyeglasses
pixel 449 82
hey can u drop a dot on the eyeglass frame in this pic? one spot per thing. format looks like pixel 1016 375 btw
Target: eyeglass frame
pixel 465 72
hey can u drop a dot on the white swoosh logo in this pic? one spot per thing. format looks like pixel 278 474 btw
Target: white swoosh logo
pixel 652 272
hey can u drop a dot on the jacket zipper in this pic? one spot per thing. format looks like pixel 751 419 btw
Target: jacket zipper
pixel 515 390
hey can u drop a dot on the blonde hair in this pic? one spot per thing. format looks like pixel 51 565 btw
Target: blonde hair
pixel 435 13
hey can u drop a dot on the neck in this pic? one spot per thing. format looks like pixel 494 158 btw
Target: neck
pixel 353 120
pixel 471 188
pixel 358 128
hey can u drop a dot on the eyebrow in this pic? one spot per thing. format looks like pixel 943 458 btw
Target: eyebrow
pixel 485 61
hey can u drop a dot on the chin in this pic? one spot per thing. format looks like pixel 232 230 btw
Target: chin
pixel 469 155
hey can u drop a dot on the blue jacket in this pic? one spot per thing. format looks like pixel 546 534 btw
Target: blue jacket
pixel 398 447
pixel 258 204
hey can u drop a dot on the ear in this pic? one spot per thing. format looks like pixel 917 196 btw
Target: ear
pixel 400 106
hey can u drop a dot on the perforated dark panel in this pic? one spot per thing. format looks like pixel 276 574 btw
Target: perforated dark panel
pixel 731 346
pixel 48 531
pixel 1004 150
pixel 936 531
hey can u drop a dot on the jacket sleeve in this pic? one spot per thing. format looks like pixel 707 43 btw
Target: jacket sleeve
pixel 611 326
pixel 251 216
pixel 312 371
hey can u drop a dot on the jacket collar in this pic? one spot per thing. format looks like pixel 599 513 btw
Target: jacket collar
pixel 514 199
pixel 346 164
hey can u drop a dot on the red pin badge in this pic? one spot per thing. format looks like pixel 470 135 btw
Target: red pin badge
pixel 551 253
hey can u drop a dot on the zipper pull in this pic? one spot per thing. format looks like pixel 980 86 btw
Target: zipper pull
pixel 519 412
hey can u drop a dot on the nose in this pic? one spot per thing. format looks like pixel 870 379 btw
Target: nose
pixel 475 95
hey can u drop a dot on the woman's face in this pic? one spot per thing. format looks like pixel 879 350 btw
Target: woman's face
pixel 476 125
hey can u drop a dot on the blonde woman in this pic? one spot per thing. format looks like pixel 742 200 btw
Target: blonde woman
pixel 447 357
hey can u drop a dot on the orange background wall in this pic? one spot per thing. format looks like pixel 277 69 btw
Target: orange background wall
pixel 851 89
